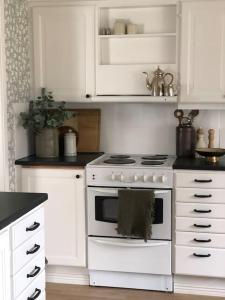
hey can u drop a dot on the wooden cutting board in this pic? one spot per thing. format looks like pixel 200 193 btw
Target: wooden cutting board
pixel 87 124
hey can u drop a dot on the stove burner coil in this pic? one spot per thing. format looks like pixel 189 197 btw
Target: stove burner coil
pixel 155 157
pixel 119 161
pixel 122 156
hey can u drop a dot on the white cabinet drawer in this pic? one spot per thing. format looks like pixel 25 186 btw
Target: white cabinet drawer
pixel 200 210
pixel 27 251
pixel 30 272
pixel 200 180
pixel 42 297
pixel 200 225
pixel 35 289
pixel 27 227
pixel 199 261
pixel 200 195
pixel 129 255
pixel 196 239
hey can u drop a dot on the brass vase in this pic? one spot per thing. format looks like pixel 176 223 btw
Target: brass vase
pixel 47 143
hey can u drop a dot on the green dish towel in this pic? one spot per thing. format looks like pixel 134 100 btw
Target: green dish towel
pixel 136 213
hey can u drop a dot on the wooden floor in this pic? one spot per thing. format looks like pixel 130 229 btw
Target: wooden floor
pixel 78 292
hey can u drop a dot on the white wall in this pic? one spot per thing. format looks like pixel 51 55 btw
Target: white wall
pixel 148 128
pixel 23 145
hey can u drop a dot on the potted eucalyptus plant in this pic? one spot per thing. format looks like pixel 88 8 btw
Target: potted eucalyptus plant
pixel 43 118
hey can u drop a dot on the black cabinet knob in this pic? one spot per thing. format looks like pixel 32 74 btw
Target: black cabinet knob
pixel 88 96
pixel 77 176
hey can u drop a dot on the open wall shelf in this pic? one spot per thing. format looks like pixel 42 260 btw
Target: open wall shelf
pixel 121 58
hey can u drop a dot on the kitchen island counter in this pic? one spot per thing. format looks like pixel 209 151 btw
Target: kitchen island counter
pixel 81 160
pixel 198 164
pixel 15 205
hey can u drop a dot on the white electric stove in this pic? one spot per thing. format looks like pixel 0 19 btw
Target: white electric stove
pixel 115 260
pixel 131 170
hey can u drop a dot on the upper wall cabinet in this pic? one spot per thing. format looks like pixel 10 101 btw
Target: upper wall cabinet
pixel 63 43
pixel 131 40
pixel 202 61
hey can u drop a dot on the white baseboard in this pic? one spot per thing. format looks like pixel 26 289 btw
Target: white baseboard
pixel 182 284
pixel 199 286
pixel 67 275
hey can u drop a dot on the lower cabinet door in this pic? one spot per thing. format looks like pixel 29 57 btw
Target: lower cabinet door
pixel 36 290
pixel 4 265
pixel 200 225
pixel 129 255
pixel 65 237
pixel 28 251
pixel 28 274
pixel 200 210
pixel 200 239
pixel 199 261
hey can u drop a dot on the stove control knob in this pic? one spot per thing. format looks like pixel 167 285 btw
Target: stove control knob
pixel 135 177
pixel 145 178
pixel 154 178
pixel 122 177
pixel 113 177
pixel 163 178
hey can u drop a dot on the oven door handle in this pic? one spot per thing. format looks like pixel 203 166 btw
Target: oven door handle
pixel 104 191
pixel 161 192
pixel 130 245
pixel 115 191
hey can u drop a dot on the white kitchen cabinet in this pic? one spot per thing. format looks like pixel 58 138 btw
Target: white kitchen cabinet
pixel 63 45
pixel 200 223
pixel 28 256
pixel 5 265
pixel 202 58
pixel 64 212
pixel 199 261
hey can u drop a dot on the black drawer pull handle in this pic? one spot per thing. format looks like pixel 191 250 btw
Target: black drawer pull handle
pixel 33 227
pixel 34 249
pixel 203 180
pixel 202 211
pixel 203 241
pixel 35 295
pixel 202 196
pixel 202 226
pixel 201 255
pixel 34 272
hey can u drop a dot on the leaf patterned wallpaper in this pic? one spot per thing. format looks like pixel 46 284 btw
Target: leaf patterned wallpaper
pixel 17 49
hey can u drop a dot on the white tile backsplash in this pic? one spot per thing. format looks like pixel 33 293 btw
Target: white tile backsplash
pixel 149 128
pixel 210 119
pixel 138 128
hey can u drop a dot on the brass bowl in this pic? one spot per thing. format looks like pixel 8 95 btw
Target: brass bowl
pixel 211 154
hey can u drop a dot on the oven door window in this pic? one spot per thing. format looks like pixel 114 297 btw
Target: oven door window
pixel 106 209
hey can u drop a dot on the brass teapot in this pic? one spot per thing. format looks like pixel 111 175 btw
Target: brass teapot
pixel 157 86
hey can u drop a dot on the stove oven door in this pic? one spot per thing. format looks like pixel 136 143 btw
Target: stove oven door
pixel 103 207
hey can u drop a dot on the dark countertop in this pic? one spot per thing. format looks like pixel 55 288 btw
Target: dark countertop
pixel 81 160
pixel 15 205
pixel 199 164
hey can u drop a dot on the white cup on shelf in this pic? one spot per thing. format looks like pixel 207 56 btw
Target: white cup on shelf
pixel 119 27
pixel 132 28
